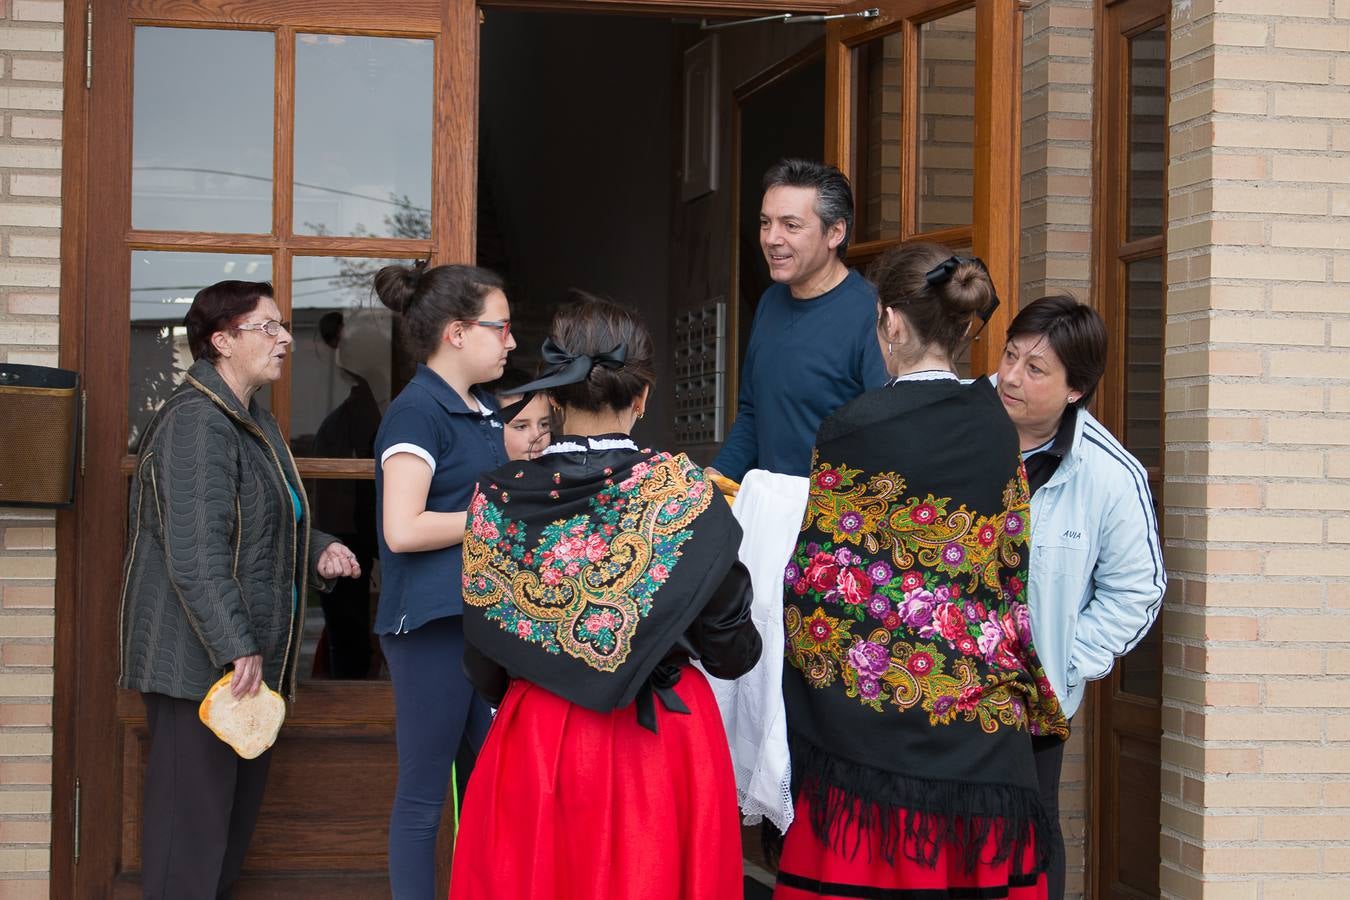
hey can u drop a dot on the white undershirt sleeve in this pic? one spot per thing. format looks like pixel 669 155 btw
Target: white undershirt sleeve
pixel 408 448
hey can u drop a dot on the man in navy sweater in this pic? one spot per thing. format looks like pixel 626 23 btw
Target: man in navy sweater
pixel 813 344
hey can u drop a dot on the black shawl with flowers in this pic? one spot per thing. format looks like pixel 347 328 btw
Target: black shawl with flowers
pixel 582 570
pixel 911 682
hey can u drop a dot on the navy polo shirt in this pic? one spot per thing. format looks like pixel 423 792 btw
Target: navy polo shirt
pixel 430 420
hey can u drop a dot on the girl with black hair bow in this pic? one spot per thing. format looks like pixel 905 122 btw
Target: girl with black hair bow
pixel 592 576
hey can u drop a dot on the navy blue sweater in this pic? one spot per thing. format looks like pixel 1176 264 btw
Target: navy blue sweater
pixel 806 359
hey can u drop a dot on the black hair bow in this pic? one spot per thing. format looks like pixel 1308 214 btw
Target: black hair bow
pixel 563 369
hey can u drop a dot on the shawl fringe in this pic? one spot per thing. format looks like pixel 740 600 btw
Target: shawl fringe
pixel 849 800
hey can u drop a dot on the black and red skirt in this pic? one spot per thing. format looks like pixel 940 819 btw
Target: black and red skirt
pixel 570 804
pixel 812 870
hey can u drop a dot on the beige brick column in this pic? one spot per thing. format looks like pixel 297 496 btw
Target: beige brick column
pixel 1056 148
pixel 1256 718
pixel 30 219
pixel 1056 255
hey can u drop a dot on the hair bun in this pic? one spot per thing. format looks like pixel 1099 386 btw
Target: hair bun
pixel 396 286
pixel 968 291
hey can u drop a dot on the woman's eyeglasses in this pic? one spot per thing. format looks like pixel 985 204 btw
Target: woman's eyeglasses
pixel 501 325
pixel 271 327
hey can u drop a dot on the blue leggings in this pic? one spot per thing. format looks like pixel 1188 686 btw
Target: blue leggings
pixel 434 707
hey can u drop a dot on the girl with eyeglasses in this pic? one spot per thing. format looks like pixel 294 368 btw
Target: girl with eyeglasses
pixel 437 436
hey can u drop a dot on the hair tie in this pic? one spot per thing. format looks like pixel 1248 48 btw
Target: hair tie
pixel 943 272
pixel 564 368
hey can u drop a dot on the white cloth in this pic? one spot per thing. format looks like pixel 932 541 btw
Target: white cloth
pixel 769 507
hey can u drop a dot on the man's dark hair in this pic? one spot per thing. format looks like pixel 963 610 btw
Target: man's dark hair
pixel 834 195
pixel 1074 331
pixel 330 328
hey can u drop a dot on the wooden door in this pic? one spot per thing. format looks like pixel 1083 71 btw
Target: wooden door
pixel 922 111
pixel 1129 262
pixel 302 143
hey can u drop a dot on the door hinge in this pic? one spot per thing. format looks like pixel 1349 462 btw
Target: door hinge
pixel 83 426
pixel 75 844
pixel 89 45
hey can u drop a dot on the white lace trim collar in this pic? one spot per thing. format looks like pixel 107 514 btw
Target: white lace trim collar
pixel 595 444
pixel 925 375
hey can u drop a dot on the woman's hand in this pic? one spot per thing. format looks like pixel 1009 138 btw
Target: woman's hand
pixel 247 676
pixel 336 561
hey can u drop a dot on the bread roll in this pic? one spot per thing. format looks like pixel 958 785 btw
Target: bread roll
pixel 248 724
pixel 728 487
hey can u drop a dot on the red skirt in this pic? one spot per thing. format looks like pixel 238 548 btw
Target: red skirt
pixel 810 870
pixel 569 804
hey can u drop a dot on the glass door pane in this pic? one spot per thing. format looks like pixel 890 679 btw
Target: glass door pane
pixel 162 287
pixel 878 104
pixel 343 375
pixel 1144 360
pixel 337 643
pixel 1147 131
pixel 202 123
pixel 363 131
pixel 342 372
pixel 946 136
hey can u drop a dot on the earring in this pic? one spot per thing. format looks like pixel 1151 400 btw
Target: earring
pixel 1072 399
pixel 889 348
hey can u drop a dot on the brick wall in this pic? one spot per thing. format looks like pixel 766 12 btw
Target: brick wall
pixel 1256 718
pixel 1056 223
pixel 1056 147
pixel 30 217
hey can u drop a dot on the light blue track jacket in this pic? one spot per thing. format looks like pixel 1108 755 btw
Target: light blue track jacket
pixel 1096 578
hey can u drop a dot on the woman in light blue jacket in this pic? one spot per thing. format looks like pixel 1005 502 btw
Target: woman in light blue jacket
pixel 1096 578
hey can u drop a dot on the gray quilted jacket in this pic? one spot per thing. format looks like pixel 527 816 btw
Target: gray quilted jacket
pixel 214 557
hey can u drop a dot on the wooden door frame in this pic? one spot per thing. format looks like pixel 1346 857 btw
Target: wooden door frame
pixel 79 740
pixel 1110 168
pixel 65 664
pixel 997 169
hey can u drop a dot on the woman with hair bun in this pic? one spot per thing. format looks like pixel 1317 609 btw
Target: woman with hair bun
pixel 911 686
pixel 593 574
pixel 437 436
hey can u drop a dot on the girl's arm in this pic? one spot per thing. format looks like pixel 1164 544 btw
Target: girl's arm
pixel 408 526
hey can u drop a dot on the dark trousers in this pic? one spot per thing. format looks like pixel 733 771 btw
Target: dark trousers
pixel 201 803
pixel 1049 755
pixel 434 708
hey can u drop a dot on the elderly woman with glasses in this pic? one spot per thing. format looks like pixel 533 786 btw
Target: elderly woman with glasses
pixel 220 554
pixel 435 440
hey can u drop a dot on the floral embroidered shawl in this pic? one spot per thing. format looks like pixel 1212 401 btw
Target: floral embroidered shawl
pixel 911 681
pixel 583 569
